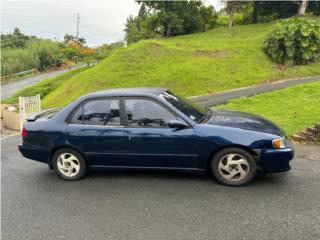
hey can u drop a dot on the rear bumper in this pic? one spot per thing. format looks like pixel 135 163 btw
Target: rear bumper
pixel 34 153
pixel 276 160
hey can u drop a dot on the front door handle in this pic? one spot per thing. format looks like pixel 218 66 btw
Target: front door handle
pixel 74 135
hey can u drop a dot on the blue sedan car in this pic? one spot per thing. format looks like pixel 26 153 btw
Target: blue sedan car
pixel 152 128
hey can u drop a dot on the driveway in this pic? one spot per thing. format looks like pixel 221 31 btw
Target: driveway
pixel 9 89
pixel 223 97
pixel 36 204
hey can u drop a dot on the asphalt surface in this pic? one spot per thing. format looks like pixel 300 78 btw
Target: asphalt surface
pixel 222 98
pixel 36 204
pixel 9 89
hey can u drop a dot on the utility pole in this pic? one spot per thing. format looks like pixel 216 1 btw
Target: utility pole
pixel 77 35
pixel 78 20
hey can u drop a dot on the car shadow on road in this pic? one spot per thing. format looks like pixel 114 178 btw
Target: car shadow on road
pixel 161 177
pixel 174 175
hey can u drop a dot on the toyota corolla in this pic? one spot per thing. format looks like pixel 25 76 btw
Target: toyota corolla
pixel 153 128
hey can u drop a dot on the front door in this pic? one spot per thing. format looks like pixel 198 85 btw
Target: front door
pixel 96 130
pixel 151 142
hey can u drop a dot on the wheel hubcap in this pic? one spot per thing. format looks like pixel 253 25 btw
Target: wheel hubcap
pixel 68 164
pixel 233 167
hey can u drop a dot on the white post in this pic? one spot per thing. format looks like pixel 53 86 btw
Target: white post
pixel 39 103
pixel 21 111
pixel 28 106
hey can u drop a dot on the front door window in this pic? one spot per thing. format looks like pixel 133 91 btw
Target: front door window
pixel 147 113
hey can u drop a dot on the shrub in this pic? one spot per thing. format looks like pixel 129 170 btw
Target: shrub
pixel 294 41
pixel 48 54
pixel 40 54
pixel 17 60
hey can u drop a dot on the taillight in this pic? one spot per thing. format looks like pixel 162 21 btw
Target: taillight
pixel 24 133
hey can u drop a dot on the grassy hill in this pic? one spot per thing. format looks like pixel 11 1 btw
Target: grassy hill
pixel 293 108
pixel 194 64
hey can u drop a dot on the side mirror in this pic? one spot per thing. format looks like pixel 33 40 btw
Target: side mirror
pixel 177 124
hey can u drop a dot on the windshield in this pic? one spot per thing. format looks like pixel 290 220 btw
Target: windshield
pixel 190 109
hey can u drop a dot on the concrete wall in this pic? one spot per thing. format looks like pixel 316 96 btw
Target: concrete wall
pixel 10 120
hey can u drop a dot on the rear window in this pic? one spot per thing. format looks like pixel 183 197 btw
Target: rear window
pixel 46 115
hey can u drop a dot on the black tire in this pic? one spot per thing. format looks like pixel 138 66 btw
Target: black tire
pixel 81 164
pixel 250 167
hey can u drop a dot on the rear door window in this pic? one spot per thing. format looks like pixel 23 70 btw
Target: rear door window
pixel 104 112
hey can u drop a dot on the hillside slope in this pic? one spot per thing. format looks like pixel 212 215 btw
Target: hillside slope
pixel 194 64
pixel 293 108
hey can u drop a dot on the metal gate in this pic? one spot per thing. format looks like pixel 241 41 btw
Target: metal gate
pixel 28 106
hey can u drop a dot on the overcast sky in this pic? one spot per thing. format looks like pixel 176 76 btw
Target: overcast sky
pixel 101 21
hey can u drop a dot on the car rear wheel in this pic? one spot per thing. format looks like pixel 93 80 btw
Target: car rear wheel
pixel 69 164
pixel 233 167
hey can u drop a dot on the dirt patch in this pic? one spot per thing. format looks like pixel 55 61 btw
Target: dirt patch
pixel 158 50
pixel 220 54
pixel 281 67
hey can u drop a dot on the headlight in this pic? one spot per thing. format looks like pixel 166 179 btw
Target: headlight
pixel 278 143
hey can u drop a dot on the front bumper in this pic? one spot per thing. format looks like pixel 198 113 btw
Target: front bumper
pixel 275 160
pixel 34 153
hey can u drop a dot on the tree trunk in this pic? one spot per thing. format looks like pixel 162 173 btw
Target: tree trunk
pixel 167 27
pixel 230 19
pixel 232 7
pixel 303 7
pixel 168 30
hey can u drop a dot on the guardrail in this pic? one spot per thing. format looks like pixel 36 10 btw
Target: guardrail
pixel 19 74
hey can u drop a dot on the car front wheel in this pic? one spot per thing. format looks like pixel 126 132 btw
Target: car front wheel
pixel 233 167
pixel 69 164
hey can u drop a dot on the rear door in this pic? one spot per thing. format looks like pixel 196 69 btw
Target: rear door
pixel 96 130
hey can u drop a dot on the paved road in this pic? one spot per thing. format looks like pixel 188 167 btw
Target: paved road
pixel 224 97
pixel 9 89
pixel 36 204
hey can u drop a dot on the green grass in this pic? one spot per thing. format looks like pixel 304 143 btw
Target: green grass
pixel 195 64
pixel 293 108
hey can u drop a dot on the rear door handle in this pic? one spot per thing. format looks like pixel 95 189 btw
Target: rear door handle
pixel 131 137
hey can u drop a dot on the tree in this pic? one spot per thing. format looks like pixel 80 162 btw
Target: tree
pixel 314 7
pixel 169 18
pixel 302 7
pixel 69 38
pixel 138 28
pixel 81 41
pixel 17 31
pixel 264 11
pixel 231 8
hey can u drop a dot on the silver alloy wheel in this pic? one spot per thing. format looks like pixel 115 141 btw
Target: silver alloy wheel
pixel 233 167
pixel 68 164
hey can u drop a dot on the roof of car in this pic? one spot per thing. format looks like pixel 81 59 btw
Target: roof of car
pixel 127 92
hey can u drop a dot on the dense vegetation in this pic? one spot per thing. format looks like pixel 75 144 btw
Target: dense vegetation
pixel 194 64
pixel 294 41
pixel 173 18
pixel 20 52
pixel 169 18
pixel 293 108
